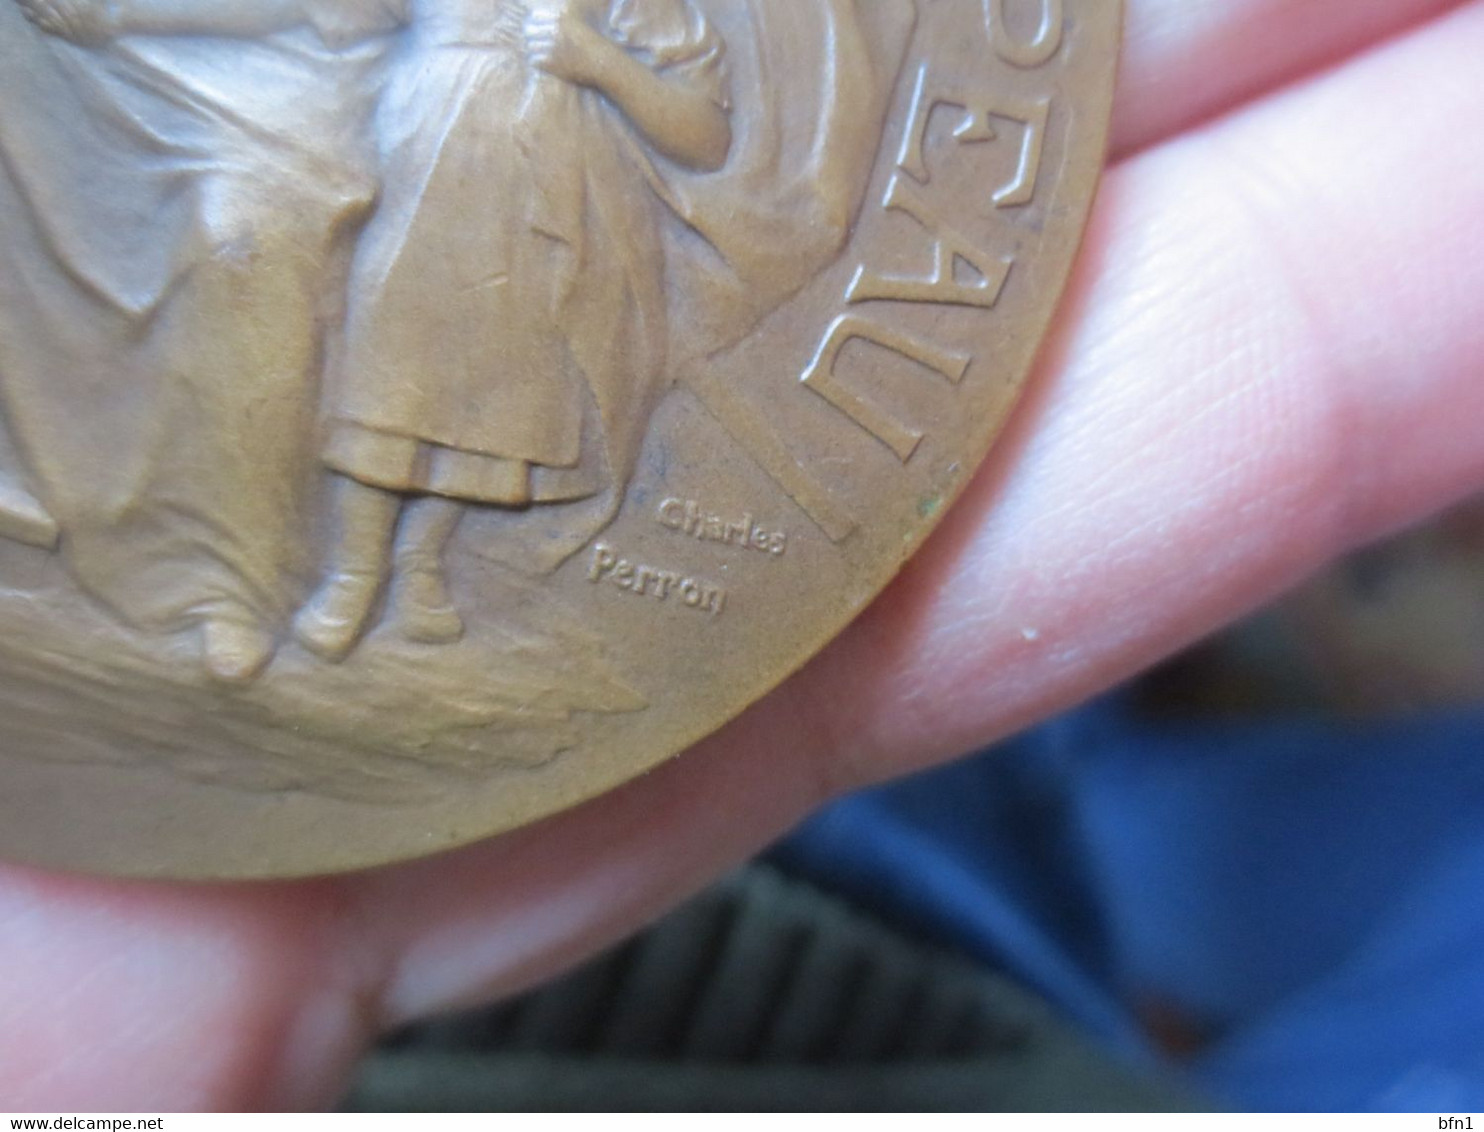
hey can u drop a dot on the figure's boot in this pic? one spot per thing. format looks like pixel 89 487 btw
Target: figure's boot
pixel 235 645
pixel 422 608
pixel 338 615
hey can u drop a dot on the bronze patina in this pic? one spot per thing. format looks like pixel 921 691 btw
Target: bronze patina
pixel 423 415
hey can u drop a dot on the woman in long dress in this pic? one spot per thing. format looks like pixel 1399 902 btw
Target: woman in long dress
pixel 173 190
pixel 508 297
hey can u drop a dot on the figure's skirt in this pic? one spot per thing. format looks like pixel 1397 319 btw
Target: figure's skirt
pixel 415 467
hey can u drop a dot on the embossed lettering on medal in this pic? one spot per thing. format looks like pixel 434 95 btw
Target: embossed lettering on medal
pixel 420 416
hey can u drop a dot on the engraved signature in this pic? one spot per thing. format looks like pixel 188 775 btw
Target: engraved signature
pixel 688 517
pixel 664 586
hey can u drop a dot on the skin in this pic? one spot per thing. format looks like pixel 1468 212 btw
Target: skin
pixel 1270 357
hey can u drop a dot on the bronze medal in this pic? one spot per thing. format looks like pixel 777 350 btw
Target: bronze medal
pixel 421 416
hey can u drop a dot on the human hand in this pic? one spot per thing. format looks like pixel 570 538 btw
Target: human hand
pixel 86 23
pixel 561 41
pixel 1271 354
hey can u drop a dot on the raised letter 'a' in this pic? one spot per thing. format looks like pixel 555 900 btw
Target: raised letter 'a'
pixel 951 250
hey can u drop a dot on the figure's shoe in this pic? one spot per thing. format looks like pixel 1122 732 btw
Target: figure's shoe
pixel 235 647
pixel 422 608
pixel 333 621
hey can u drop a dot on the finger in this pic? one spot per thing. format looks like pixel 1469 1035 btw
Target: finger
pixel 1274 358
pixel 1187 61
pixel 151 998
pixel 1253 335
pixel 1186 344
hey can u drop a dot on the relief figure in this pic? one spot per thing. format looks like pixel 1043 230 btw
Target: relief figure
pixel 508 294
pixel 429 264
pixel 581 201
pixel 807 84
pixel 176 178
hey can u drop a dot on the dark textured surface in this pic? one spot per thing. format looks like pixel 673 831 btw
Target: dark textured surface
pixel 761 995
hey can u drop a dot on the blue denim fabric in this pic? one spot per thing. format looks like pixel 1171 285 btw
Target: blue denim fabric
pixel 1308 896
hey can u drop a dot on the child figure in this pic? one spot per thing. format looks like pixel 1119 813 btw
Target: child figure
pixel 507 300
